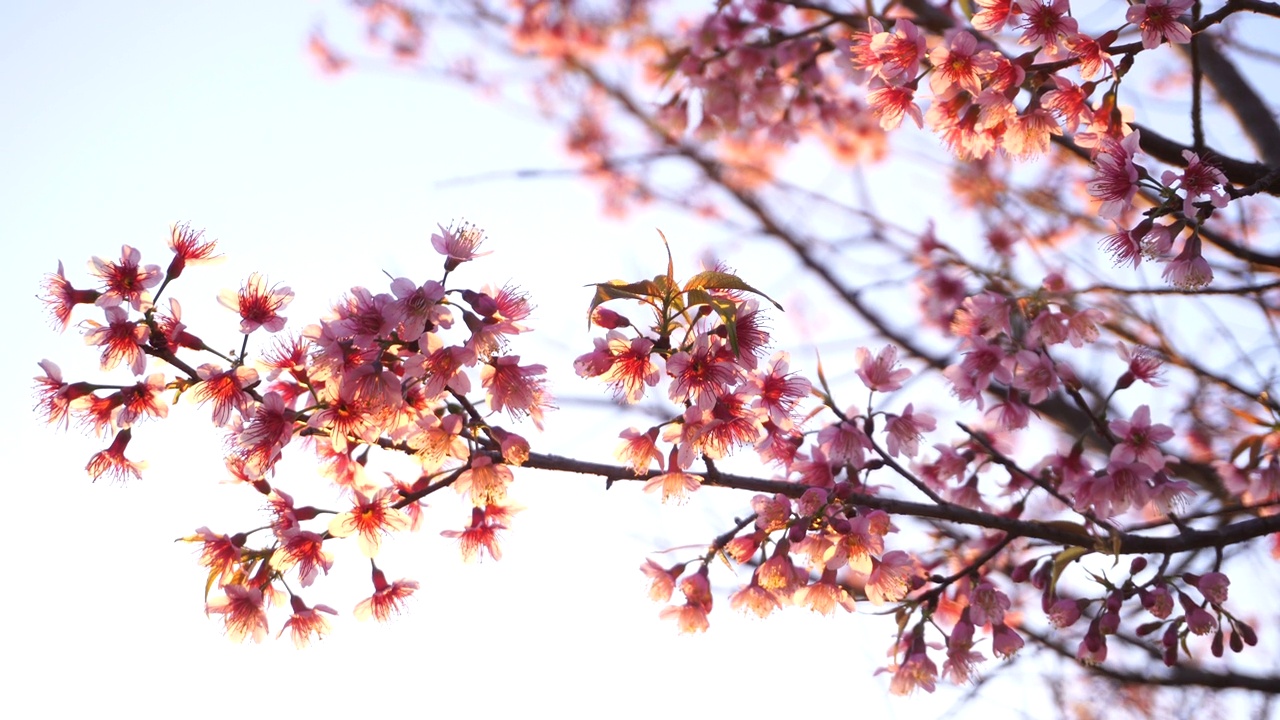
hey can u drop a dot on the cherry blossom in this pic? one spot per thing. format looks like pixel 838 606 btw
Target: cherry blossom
pixel 259 305
pixel 388 599
pixel 125 282
pixel 242 611
pixel 306 621
pixel 1159 21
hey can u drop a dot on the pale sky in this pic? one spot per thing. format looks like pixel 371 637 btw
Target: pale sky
pixel 122 118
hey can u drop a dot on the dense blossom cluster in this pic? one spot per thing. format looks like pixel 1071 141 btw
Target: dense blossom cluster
pixel 383 370
pixel 1113 536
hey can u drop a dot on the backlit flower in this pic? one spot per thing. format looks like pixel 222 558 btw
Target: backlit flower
pixel 189 246
pixel 242 611
pixel 125 281
pixel 675 485
pixel 121 340
pixel 1116 181
pixel 881 371
pixel 59 297
pixel 482 534
pixel 306 621
pixel 371 518
pixel 519 389
pixel 259 306
pixel 1159 21
pixel 458 244
pixel 112 462
pixel 388 598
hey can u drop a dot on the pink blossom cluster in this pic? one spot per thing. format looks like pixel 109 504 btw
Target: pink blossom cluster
pixel 823 545
pixel 395 370
pixel 756 71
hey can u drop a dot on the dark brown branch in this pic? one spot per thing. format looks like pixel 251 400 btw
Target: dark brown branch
pixel 1179 676
pixel 1124 543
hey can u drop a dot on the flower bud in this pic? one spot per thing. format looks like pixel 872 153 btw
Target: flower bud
pixel 1109 622
pixel 797 532
pixel 1246 633
pixel 608 319
pixel 1022 572
pixel 1237 644
pixel 1146 629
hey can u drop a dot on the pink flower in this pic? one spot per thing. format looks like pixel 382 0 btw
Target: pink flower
pixel 958 65
pixel 779 574
pixel 418 307
pixel 1143 363
pixel 1004 641
pixel 825 595
pixel 485 482
pixel 899 52
pixel 778 391
pixel 388 598
pixel 1212 585
pixel 305 549
pixel 891 103
pixel 627 365
pixel 905 431
pixel 993 15
pixel 372 517
pixel 879 372
pixel 519 389
pixel 1093 61
pixel 121 340
pixel 962 661
pixel 258 305
pixel 1116 181
pixel 1138 438
pixel 482 534
pixel 55 397
pixel 242 611
pixel 126 281
pixel 188 247
pixel 1189 270
pixel 639 450
pixel 112 462
pixel 772 513
pixel 1069 102
pixel 1064 613
pixel 703 373
pixel 890 578
pixel 752 598
pixel 1037 375
pixel 1159 21
pixel 662 580
pixel 1158 601
pixel 59 297
pixel 1198 179
pixel 1200 621
pixel 692 616
pixel 269 428
pixel 226 389
pixel 219 553
pixel 916 671
pixel 987 604
pixel 458 244
pixel 675 484
pixel 306 621
pixel 1028 135
pixel 1044 24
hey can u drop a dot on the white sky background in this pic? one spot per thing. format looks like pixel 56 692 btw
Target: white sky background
pixel 119 119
